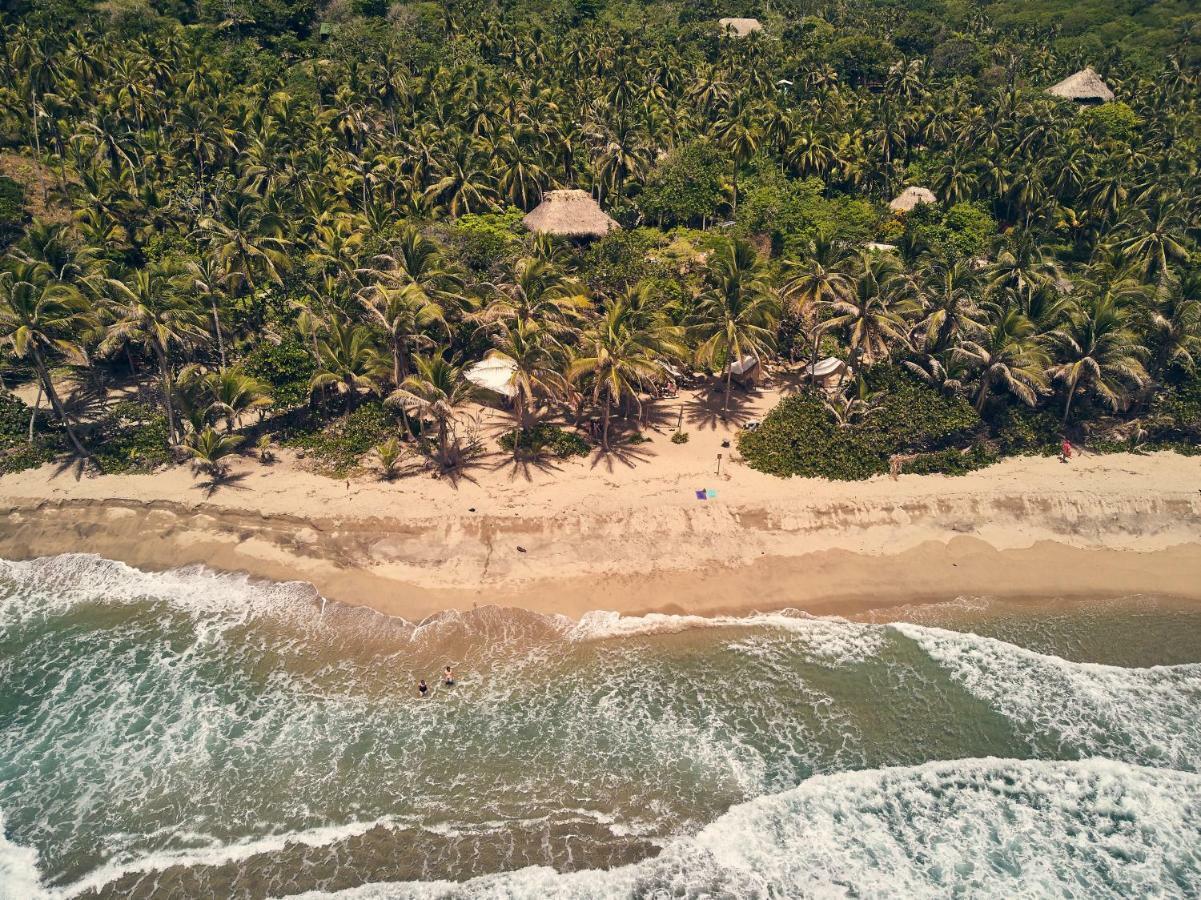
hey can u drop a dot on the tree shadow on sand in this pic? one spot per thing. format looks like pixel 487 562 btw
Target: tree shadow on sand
pixel 707 411
pixel 524 465
pixel 224 479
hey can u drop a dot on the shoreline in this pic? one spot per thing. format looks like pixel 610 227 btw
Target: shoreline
pixel 637 544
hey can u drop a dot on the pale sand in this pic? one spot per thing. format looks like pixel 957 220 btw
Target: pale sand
pixel 626 532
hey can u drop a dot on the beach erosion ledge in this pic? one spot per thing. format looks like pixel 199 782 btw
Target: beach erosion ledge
pixel 1026 528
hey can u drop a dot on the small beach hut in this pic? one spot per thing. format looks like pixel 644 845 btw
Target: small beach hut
pixel 911 197
pixel 494 374
pixel 571 214
pixel 739 27
pixel 1085 87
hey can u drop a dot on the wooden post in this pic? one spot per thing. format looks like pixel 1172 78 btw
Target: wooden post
pixel 719 464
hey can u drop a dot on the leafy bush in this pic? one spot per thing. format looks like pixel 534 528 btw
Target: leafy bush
pixel 793 212
pixel 12 210
pixel 286 367
pixel 337 448
pixel 544 437
pixel 800 437
pixel 16 453
pixel 1176 413
pixel 132 438
pixel 684 186
pixel 486 239
pixel 1019 430
pixel 680 437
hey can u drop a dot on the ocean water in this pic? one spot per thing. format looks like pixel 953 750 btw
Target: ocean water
pixel 189 734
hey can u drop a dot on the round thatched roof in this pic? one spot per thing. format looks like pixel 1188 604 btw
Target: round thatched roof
pixel 569 214
pixel 740 27
pixel 1084 85
pixel 911 197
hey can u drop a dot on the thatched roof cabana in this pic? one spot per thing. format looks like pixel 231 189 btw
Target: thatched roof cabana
pixel 739 27
pixel 1085 86
pixel 911 197
pixel 571 214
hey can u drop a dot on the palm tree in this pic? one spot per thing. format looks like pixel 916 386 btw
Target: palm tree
pixel 1155 238
pixel 873 310
pixel 209 448
pixel 1099 352
pixel 950 304
pixel 235 393
pixel 39 318
pixel 435 391
pixel 1174 327
pixel 403 313
pixel 535 367
pixel 736 317
pixel 347 358
pixel 1008 356
pixel 388 454
pixel 615 362
pixel 207 277
pixel 149 311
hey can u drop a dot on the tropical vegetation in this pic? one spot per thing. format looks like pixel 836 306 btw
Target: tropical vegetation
pixel 302 221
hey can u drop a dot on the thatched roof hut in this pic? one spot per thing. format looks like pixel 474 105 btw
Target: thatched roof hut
pixel 571 214
pixel 911 197
pixel 1085 86
pixel 739 27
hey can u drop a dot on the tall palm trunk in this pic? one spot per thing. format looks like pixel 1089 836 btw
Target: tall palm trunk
pixel 165 383
pixel 217 332
pixel 56 403
pixel 1067 406
pixel 605 424
pixel 729 384
pixel 33 413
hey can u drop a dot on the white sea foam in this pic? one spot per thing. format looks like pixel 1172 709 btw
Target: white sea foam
pixel 833 639
pixel 987 827
pixel 19 875
pixel 54 584
pixel 1145 715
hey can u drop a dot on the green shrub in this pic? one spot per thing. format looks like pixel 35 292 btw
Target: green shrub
pixel 680 437
pixel 12 210
pixel 285 367
pixel 546 438
pixel 132 438
pixel 337 448
pixel 800 437
pixel 488 238
pixel 16 453
pixel 1018 430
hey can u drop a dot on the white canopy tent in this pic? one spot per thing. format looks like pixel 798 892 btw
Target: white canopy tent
pixel 824 368
pixel 744 366
pixel 493 374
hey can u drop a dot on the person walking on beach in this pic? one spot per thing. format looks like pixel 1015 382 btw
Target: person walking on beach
pixel 448 676
pixel 423 689
pixel 1065 450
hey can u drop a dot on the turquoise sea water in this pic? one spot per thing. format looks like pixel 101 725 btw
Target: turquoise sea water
pixel 188 734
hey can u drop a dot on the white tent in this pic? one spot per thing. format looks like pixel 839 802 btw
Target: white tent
pixel 825 367
pixel 493 374
pixel 744 366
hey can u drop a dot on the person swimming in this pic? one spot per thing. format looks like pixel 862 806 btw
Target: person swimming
pixel 448 676
pixel 423 689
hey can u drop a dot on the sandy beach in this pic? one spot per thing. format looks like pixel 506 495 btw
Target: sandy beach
pixel 626 531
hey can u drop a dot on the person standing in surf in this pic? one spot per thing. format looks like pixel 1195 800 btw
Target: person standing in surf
pixel 448 676
pixel 423 689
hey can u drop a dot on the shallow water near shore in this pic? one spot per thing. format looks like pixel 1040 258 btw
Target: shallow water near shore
pixel 187 733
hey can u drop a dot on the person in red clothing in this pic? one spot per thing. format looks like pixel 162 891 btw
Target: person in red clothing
pixel 1065 450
